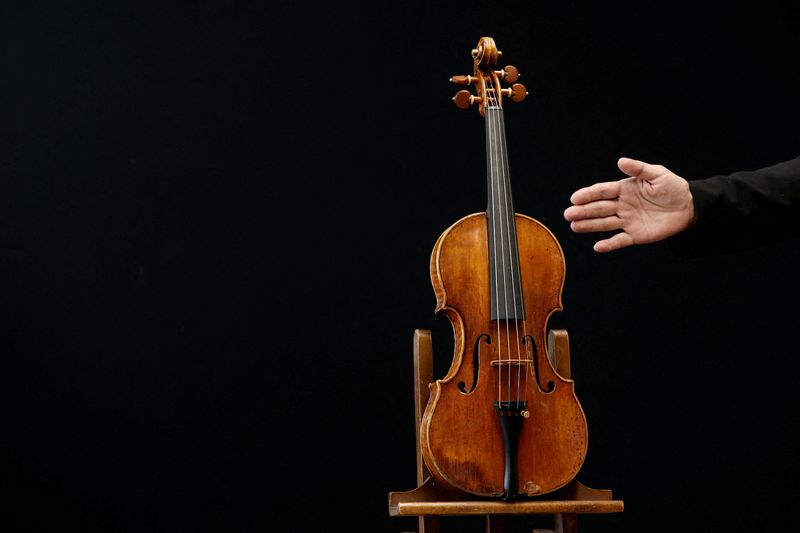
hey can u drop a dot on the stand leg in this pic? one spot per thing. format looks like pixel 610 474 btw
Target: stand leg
pixel 428 524
pixel 566 523
pixel 497 523
pixel 423 375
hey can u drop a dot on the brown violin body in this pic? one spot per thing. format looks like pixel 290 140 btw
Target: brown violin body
pixel 462 441
pixel 502 422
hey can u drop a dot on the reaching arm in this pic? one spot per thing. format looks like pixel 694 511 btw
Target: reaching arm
pixel 743 210
pixel 716 215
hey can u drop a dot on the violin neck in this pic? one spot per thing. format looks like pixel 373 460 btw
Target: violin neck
pixel 504 273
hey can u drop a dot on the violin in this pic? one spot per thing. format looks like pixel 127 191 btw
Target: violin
pixel 502 423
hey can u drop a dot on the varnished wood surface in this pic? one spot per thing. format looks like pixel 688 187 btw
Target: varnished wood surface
pixel 558 351
pixel 434 500
pixel 460 436
pixel 473 508
pixel 423 375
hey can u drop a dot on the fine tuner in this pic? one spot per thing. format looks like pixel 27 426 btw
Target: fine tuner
pixel 487 80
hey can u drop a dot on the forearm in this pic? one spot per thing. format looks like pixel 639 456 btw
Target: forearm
pixel 743 210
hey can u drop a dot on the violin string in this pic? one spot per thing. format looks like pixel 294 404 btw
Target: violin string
pixel 517 290
pixel 529 354
pixel 503 253
pixel 511 232
pixel 492 204
pixel 493 111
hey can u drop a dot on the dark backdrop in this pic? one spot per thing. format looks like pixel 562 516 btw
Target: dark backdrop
pixel 216 220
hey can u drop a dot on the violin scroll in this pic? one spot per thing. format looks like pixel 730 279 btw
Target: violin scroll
pixel 502 423
pixel 487 80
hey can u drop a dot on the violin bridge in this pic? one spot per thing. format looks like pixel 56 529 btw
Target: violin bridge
pixel 511 362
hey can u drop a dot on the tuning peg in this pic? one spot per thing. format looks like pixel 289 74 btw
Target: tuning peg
pixel 516 92
pixel 463 99
pixel 463 80
pixel 509 73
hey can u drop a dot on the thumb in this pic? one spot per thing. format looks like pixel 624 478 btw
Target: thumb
pixel 638 169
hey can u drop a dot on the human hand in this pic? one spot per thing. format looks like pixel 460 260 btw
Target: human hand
pixel 651 204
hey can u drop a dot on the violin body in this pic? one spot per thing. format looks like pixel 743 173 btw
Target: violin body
pixel 502 422
pixel 461 440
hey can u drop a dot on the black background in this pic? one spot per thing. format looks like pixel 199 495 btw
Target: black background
pixel 216 220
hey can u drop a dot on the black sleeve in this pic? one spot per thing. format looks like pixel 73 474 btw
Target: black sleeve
pixel 742 210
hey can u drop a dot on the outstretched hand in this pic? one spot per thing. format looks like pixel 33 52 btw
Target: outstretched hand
pixel 651 204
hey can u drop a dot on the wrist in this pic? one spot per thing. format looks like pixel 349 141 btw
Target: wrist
pixel 691 215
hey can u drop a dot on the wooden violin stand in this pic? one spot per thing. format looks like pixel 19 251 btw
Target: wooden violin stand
pixel 429 500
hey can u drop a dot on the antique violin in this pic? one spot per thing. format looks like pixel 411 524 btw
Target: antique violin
pixel 502 422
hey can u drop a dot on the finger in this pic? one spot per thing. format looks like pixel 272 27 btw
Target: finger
pixel 601 208
pixel 639 169
pixel 599 191
pixel 620 240
pixel 596 224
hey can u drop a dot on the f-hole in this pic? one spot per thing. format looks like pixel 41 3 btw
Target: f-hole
pixel 476 361
pixel 528 340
